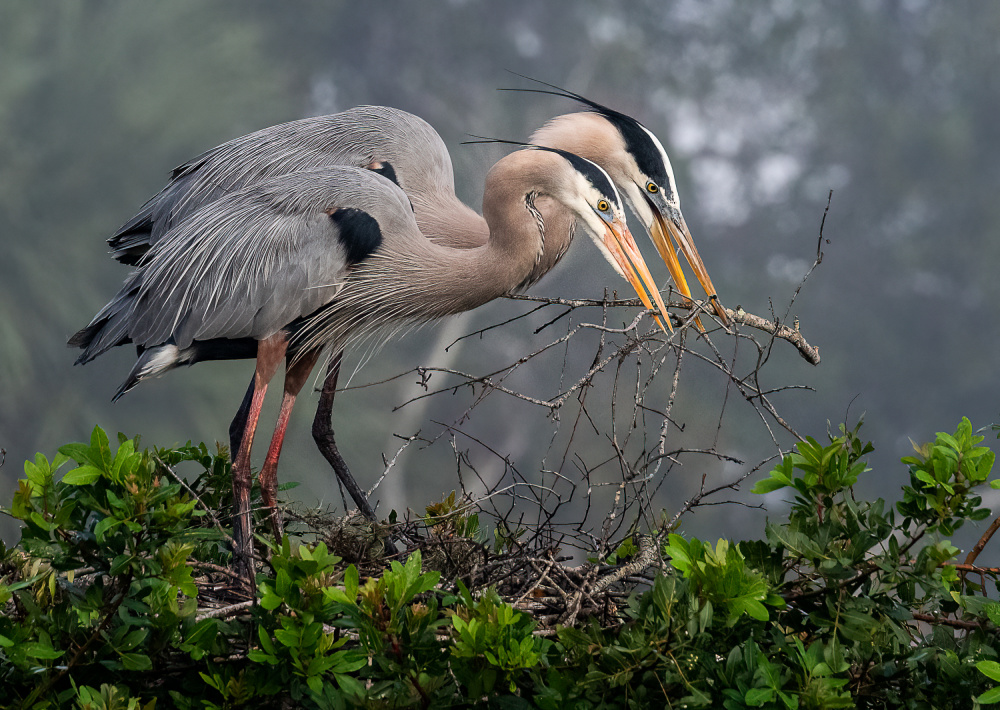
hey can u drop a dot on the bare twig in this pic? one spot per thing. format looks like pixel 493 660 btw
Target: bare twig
pixel 211 513
pixel 225 611
pixel 990 532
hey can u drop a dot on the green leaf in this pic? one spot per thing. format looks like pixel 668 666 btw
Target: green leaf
pixel 135 661
pixel 351 685
pixel 286 637
pixel 41 650
pixel 82 475
pixel 989 697
pixel 990 669
pixel 265 640
pixel 768 485
pixel 758 697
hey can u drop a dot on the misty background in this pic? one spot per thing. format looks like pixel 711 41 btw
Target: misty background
pixel 763 108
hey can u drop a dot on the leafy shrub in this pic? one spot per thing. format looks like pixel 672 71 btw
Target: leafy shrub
pixel 846 603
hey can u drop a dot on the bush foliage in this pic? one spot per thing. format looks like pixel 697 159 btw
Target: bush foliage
pixel 846 603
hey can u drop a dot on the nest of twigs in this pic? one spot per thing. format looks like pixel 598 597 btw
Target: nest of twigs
pixel 552 587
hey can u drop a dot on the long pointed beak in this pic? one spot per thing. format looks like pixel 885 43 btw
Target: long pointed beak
pixel 622 246
pixel 679 235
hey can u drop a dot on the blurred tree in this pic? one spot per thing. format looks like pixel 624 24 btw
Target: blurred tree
pixel 763 107
pixel 97 102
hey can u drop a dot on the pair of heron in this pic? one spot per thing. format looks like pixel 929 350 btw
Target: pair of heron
pixel 310 235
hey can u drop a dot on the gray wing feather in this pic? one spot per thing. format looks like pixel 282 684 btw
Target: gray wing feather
pixel 245 265
pixel 236 270
pixel 356 137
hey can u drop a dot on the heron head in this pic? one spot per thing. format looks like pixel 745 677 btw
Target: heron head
pixel 590 193
pixel 636 161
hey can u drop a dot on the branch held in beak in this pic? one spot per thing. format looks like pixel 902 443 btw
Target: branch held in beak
pixel 680 238
pixel 626 254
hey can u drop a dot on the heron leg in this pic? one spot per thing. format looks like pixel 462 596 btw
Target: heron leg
pixel 322 431
pixel 240 420
pixel 296 374
pixel 270 352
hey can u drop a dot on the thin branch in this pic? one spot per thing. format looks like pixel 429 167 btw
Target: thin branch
pixel 990 531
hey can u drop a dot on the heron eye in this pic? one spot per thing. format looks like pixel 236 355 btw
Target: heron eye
pixel 603 206
pixel 652 187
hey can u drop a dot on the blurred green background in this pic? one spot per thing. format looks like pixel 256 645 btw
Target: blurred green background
pixel 764 107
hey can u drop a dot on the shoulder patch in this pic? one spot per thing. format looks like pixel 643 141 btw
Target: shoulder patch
pixel 358 233
pixel 384 169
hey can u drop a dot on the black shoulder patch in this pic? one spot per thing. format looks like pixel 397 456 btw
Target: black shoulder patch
pixel 385 170
pixel 358 233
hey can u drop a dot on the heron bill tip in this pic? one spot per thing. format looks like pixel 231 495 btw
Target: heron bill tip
pixel 622 246
pixel 669 235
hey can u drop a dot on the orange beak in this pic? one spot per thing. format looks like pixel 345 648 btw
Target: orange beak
pixel 670 234
pixel 622 246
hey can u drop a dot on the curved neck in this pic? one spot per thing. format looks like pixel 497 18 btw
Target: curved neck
pixel 529 231
pixel 446 220
pixel 522 204
pixel 412 278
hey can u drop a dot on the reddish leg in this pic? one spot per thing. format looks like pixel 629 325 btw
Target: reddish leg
pixel 296 374
pixel 270 352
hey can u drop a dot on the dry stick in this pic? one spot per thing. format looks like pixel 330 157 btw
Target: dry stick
pixel 576 598
pixel 990 531
pixel 696 499
pixel 224 611
pixel 756 394
pixel 674 385
pixel 647 557
pixel 792 335
pixel 954 623
pixel 407 440
pixel 783 332
pixel 965 567
pixel 795 294
pixel 819 254
pixel 556 428
pixel 215 568
pixel 496 325
pixel 740 316
pixel 643 493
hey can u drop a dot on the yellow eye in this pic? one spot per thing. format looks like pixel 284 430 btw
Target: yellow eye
pixel 603 206
pixel 652 187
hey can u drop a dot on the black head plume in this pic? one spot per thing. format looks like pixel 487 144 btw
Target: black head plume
pixel 639 142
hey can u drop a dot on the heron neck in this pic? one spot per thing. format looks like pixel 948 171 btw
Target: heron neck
pixel 413 277
pixel 446 220
pixel 529 226
pixel 529 231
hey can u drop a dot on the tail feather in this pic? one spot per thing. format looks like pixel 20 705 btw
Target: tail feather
pixel 153 362
pixel 109 327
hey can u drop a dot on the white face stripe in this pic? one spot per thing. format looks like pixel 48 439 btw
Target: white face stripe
pixel 594 225
pixel 672 187
pixel 616 198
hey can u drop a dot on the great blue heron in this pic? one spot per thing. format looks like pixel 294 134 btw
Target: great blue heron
pixel 408 150
pixel 290 265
